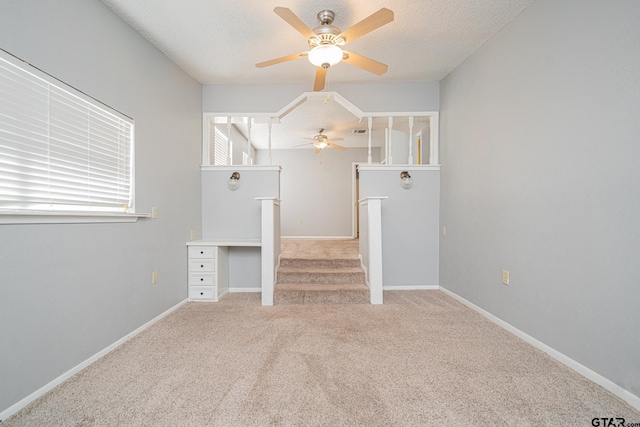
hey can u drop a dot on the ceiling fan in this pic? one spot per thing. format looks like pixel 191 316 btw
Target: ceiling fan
pixel 321 141
pixel 326 41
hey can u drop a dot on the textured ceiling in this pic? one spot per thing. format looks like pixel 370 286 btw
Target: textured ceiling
pixel 219 42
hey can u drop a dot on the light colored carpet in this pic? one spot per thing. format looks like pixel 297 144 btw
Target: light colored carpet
pixel 320 271
pixel 422 358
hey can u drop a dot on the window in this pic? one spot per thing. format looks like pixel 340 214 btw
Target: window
pixel 221 148
pixel 60 150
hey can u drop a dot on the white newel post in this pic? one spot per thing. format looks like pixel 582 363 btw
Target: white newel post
pixel 374 264
pixel 434 155
pixel 410 159
pixel 369 142
pixel 229 144
pixel 270 245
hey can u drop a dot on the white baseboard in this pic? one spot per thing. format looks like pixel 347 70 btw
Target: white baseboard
pixel 236 290
pixel 62 378
pixel 320 237
pixel 410 288
pixel 614 388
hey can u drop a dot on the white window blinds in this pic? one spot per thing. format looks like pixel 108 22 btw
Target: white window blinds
pixel 59 149
pixel 221 148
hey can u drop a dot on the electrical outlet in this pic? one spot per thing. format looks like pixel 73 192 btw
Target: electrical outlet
pixel 444 230
pixel 154 277
pixel 154 213
pixel 192 235
pixel 505 277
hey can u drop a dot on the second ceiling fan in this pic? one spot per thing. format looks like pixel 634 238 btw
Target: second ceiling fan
pixel 321 141
pixel 326 41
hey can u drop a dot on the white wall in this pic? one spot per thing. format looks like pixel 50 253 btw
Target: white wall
pixel 540 152
pixel 316 189
pixel 68 291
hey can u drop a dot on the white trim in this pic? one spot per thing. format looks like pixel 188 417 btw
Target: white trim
pixel 367 199
pixel 410 288
pixel 234 168
pixel 614 388
pixel 354 199
pixel 59 217
pixel 240 290
pixel 11 410
pixel 319 237
pixel 397 167
pixel 239 242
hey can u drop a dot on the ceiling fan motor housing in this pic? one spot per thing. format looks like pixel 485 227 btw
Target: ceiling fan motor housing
pixel 325 17
pixel 326 33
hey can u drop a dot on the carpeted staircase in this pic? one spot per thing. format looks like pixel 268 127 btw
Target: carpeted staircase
pixel 320 279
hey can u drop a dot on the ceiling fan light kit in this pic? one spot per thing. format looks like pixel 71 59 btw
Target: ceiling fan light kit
pixel 325 55
pixel 325 43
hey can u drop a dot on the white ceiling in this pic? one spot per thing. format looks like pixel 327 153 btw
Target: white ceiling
pixel 219 42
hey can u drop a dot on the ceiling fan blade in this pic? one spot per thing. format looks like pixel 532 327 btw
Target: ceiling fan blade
pixel 339 147
pixel 335 139
pixel 368 24
pixel 282 59
pixel 365 63
pixel 302 145
pixel 321 75
pixel 294 21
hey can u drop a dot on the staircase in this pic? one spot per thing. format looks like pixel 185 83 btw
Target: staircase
pixel 320 272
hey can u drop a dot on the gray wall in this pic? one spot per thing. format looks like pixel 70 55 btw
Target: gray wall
pixel 317 190
pixel 540 152
pixel 410 220
pixel 68 291
pixel 233 215
pixel 330 215
pixel 368 97
pixel 238 144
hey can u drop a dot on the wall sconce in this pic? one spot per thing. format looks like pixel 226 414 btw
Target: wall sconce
pixel 405 180
pixel 234 181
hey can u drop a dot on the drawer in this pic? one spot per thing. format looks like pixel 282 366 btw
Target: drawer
pixel 202 252
pixel 201 279
pixel 198 265
pixel 202 293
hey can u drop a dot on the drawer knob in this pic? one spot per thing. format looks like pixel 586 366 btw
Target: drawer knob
pixel 201 293
pixel 202 252
pixel 201 266
pixel 201 279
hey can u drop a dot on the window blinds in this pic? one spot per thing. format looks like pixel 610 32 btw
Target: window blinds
pixel 59 149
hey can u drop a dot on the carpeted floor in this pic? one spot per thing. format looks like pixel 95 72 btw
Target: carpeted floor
pixel 422 358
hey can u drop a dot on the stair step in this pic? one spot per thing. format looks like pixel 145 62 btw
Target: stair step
pixel 315 293
pixel 320 275
pixel 320 271
pixel 319 262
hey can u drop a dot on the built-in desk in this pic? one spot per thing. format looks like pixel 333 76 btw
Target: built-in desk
pixel 208 266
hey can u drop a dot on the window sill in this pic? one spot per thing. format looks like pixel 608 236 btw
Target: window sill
pixel 45 217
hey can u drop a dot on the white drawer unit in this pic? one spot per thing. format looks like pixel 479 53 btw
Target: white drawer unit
pixel 208 271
